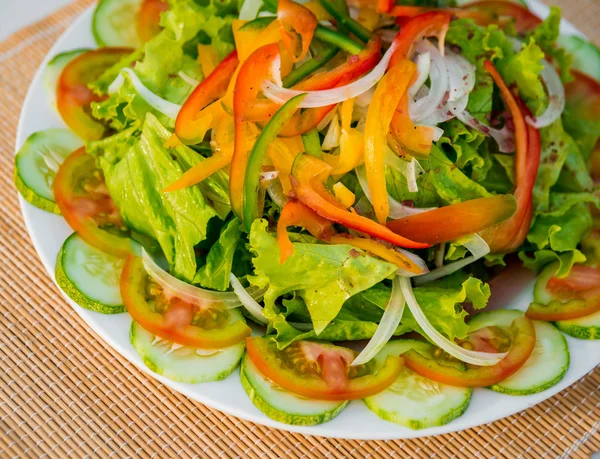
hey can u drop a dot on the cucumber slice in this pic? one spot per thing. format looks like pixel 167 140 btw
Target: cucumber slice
pixel 548 363
pixel 586 55
pixel 415 401
pixel 184 363
pixel 283 406
pixel 38 161
pixel 540 294
pixel 89 276
pixel 53 71
pixel 587 327
pixel 114 23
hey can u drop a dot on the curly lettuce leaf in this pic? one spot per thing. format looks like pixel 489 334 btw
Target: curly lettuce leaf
pixel 324 276
pixel 546 35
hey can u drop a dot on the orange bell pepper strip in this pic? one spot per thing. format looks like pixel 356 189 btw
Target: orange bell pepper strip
pixel 379 116
pixel 385 6
pixel 425 25
pixel 378 249
pixel 252 73
pixel 295 213
pixel 404 134
pixel 308 177
pixel 295 19
pixel 510 235
pixel 452 222
pixel 210 89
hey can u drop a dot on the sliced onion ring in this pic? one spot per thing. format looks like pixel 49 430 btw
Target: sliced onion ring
pixel 504 137
pixel 474 244
pixel 424 67
pixel 157 103
pixel 247 301
pixel 484 359
pixel 191 293
pixel 438 90
pixel 556 97
pixel 387 326
pixel 277 93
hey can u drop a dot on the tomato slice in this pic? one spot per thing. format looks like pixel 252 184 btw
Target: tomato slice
pixel 84 202
pixel 321 371
pixel 73 97
pixel 524 19
pixel 173 319
pixel 428 363
pixel 147 21
pixel 574 296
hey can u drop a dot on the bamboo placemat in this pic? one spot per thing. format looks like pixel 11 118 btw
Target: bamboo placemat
pixel 63 392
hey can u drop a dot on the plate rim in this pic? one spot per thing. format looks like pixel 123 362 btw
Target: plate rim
pixel 319 430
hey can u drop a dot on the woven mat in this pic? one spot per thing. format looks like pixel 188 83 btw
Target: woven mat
pixel 63 392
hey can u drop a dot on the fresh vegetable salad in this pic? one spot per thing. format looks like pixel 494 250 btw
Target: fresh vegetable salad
pixel 319 192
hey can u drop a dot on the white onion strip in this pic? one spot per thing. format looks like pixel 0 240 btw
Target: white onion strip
pixel 474 244
pixel 424 67
pixel 188 79
pixel 247 301
pixel 157 103
pixel 409 169
pixel 417 260
pixel 191 293
pixel 503 137
pixel 397 209
pixel 387 326
pixel 484 359
pixel 314 99
pixel 249 9
pixel 556 97
pixel 438 90
pixel 334 134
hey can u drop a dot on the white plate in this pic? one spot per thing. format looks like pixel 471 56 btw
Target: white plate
pixel 48 232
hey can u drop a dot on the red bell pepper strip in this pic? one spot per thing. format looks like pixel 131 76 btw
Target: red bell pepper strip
pixel 210 89
pixel 525 20
pixel 425 25
pixel 295 213
pixel 308 177
pixel 295 19
pixel 379 117
pixel 253 72
pixel 147 21
pixel 511 234
pixel 451 222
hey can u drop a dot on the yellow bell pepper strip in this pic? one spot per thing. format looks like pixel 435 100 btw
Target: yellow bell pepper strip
pixel 379 117
pixel 511 234
pixel 208 58
pixel 295 213
pixel 425 25
pixel 343 195
pixel 405 135
pixel 210 89
pixel 253 72
pixel 452 222
pixel 368 18
pixel 282 158
pixel 379 250
pixel 351 144
pixel 257 157
pixel 308 177
pixel 294 19
pixel 220 158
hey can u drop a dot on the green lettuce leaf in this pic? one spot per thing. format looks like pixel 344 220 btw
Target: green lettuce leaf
pixel 215 273
pixel 324 276
pixel 540 259
pixel 135 178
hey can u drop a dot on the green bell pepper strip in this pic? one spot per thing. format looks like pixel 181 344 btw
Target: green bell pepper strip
pixel 343 19
pixel 318 60
pixel 312 143
pixel 257 156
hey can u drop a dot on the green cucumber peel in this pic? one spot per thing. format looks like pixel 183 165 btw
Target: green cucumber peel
pixel 257 156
